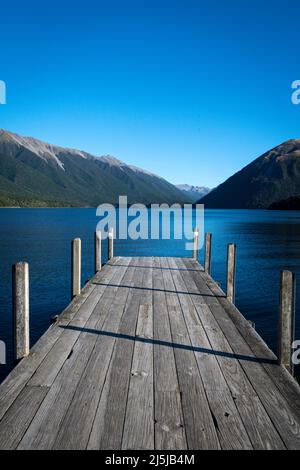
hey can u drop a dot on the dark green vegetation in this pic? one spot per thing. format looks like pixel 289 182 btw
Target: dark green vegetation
pixel 273 177
pixel 36 174
pixel 290 204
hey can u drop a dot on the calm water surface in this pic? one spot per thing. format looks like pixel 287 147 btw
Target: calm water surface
pixel 266 242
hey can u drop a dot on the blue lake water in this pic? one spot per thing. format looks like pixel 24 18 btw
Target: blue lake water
pixel 267 242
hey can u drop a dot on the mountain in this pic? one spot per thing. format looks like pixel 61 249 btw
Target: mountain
pixel 273 177
pixel 194 192
pixel 35 173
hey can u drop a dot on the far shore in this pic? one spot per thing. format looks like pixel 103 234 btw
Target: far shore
pixel 148 207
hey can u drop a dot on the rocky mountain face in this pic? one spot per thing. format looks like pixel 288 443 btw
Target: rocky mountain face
pixel 35 173
pixel 273 177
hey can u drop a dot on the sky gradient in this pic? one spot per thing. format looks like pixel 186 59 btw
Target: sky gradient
pixel 190 90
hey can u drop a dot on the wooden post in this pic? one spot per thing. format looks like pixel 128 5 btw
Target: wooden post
pixel 21 310
pixel 231 268
pixel 207 264
pixel 110 243
pixel 76 267
pixel 287 319
pixel 196 244
pixel 98 259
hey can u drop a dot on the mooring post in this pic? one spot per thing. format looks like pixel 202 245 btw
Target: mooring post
pixel 207 264
pixel 76 267
pixel 196 243
pixel 21 310
pixel 231 268
pixel 110 243
pixel 98 259
pixel 287 319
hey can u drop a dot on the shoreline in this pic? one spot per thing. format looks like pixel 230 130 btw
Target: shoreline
pixel 117 207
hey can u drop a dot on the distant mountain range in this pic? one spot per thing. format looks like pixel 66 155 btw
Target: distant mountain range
pixel 271 178
pixel 34 173
pixel 194 192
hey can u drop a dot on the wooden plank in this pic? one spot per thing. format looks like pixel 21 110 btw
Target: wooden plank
pixel 98 299
pixel 287 386
pixel 97 380
pixel 17 379
pixel 147 292
pixel 278 408
pixel 169 422
pixel 164 360
pixel 43 430
pixel 109 420
pixel 285 383
pixel 210 371
pixel 77 424
pixel 139 420
pixel 199 425
pixel 263 434
pixel 231 369
pixel 230 427
pixel 17 419
pixel 260 428
pixel 55 359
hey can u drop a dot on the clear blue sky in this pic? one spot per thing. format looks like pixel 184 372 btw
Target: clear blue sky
pixel 188 89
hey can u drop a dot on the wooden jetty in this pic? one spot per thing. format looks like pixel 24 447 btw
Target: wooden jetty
pixel 151 354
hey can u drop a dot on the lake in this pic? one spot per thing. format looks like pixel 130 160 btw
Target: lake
pixel 267 242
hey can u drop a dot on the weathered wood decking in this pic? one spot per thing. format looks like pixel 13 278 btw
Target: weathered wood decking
pixel 151 355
